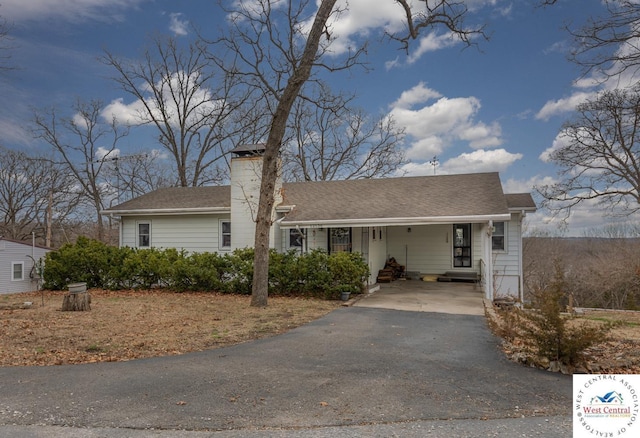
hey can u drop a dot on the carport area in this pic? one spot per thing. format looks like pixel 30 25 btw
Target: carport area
pixel 426 296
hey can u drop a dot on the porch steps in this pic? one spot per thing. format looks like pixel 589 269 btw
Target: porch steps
pixel 470 277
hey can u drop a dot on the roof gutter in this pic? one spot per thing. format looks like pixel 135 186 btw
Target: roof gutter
pixel 400 221
pixel 166 211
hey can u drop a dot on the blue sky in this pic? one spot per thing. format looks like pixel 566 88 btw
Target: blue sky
pixel 498 107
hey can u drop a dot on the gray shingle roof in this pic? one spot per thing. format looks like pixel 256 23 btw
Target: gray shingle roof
pixel 441 196
pixel 426 196
pixel 178 198
pixel 520 201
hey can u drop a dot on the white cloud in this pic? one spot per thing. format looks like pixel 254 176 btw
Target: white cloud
pixel 526 186
pixel 104 153
pixel 358 20
pixel 583 219
pixel 434 122
pixel 430 43
pixel 562 106
pixel 417 169
pixel 177 25
pixel 482 135
pixel 128 114
pixel 559 142
pixel 496 160
pixel 418 94
pixel 67 10
pixel 425 147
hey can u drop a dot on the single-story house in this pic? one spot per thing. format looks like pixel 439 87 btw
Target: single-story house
pixel 432 225
pixel 18 265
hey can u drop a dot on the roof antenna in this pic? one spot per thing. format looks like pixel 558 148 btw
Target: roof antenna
pixel 434 163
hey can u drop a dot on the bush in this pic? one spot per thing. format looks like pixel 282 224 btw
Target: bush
pixel 199 272
pixel 87 261
pixel 238 278
pixel 546 331
pixel 284 273
pixel 314 274
pixel 348 272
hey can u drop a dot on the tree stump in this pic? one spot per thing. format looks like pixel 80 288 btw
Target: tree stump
pixel 76 302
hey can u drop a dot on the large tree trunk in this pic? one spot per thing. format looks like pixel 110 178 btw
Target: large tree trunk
pixel 260 289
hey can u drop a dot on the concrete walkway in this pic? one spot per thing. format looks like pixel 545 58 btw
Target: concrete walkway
pixel 356 372
pixel 426 296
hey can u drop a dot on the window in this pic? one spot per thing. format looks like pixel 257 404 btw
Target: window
pixel 295 238
pixel 144 235
pixel 225 234
pixel 339 240
pixel 498 238
pixel 17 271
pixel 462 246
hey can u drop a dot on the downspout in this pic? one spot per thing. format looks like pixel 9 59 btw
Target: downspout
pixel 523 214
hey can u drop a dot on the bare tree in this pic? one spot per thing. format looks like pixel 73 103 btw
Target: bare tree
pixel 333 141
pixel 139 173
pixel 600 155
pixel 83 143
pixel 5 49
pixel 608 45
pixel 27 185
pixel 183 95
pixel 273 47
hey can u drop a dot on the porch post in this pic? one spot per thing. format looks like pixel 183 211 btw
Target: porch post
pixel 488 258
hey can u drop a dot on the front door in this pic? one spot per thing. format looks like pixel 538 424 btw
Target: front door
pixel 462 246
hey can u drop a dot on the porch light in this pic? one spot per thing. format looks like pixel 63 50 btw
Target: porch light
pixel 408 229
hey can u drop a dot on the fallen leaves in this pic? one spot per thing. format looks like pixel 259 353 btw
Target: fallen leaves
pixel 127 325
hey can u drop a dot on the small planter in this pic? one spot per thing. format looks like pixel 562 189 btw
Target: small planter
pixel 344 296
pixel 77 288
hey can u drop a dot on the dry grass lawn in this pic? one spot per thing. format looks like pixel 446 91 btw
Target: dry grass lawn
pixel 128 325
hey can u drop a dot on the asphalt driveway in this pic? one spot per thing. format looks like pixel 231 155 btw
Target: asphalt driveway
pixel 355 368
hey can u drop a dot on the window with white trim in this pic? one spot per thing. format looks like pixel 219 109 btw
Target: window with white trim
pixel 144 235
pixel 499 236
pixel 225 235
pixel 17 271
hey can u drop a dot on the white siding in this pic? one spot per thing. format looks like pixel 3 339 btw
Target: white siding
pixel 15 252
pixel 193 233
pixel 426 249
pixel 507 264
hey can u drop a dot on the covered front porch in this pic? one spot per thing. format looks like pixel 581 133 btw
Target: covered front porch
pixel 455 249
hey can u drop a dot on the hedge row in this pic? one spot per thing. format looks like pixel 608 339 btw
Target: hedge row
pixel 314 274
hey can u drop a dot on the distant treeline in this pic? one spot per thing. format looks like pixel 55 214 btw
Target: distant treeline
pixel 597 271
